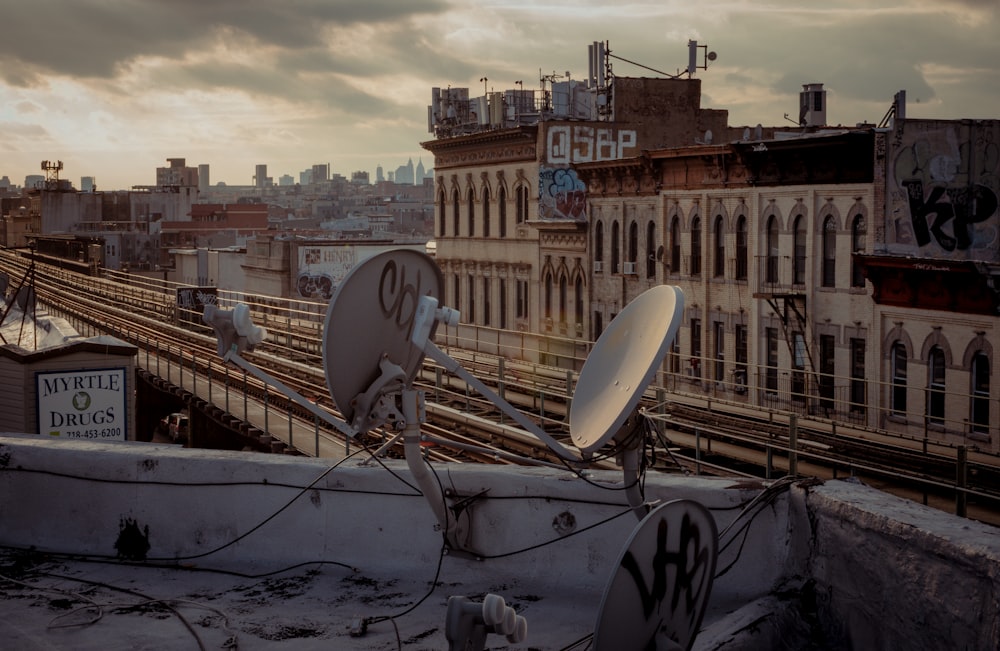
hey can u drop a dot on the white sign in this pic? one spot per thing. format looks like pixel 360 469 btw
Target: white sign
pixel 85 404
pixel 583 144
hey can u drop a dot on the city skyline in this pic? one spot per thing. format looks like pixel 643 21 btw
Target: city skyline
pixel 114 93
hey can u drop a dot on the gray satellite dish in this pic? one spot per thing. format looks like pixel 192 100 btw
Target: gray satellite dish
pixel 369 320
pixel 622 364
pixel 657 596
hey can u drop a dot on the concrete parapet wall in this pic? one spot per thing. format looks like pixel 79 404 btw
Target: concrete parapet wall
pixel 827 566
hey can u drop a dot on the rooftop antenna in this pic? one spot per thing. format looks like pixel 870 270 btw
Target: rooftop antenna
pixel 23 297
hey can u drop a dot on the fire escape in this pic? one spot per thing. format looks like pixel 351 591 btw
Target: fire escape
pixel 789 302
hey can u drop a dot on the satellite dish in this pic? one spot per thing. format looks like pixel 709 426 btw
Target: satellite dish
pixel 369 318
pixel 657 596
pixel 622 364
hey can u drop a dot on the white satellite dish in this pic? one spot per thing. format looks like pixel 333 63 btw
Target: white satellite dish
pixel 369 319
pixel 621 365
pixel 657 596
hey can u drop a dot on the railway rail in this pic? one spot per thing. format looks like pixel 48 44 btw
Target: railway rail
pixel 148 317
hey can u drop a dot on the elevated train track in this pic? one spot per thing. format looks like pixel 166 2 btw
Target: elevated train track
pixel 148 317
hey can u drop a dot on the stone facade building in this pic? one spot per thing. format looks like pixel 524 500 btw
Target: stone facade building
pixel 848 274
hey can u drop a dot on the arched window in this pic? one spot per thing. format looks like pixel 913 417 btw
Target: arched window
pixel 741 248
pixel 454 208
pixel 486 212
pixel 675 245
pixel 720 248
pixel 696 246
pixel 578 305
pixel 633 245
pixel 562 298
pixel 771 273
pixel 502 205
pixel 441 215
pixel 521 210
pixel 599 246
pixel 829 252
pixel 471 212
pixel 799 246
pixel 858 233
pixel 935 386
pixel 979 416
pixel 615 248
pixel 897 399
pixel 651 250
pixel 548 295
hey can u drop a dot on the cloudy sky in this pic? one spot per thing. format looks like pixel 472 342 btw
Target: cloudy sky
pixel 115 87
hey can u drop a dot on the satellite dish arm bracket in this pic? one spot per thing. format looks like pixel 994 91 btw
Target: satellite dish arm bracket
pixel 452 366
pixel 391 378
pixel 342 427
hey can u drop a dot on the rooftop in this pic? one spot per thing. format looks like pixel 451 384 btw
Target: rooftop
pixel 145 546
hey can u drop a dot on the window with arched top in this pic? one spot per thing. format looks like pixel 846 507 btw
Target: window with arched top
pixel 675 245
pixel 799 248
pixel 548 295
pixel 741 248
pixel 502 210
pixel 935 386
pixel 897 398
pixel 979 411
pixel 521 209
pixel 651 249
pixel 719 253
pixel 486 212
pixel 563 295
pixel 771 269
pixel 858 234
pixel 830 252
pixel 599 244
pixel 442 218
pixel 696 246
pixel 633 242
pixel 615 248
pixel 471 212
pixel 454 209
pixel 578 302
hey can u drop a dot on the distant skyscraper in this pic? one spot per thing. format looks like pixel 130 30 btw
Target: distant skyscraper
pixel 260 177
pixel 87 184
pixel 204 180
pixel 321 173
pixel 404 173
pixel 419 178
pixel 379 175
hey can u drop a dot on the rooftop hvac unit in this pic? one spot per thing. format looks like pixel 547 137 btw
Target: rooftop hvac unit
pixel 812 106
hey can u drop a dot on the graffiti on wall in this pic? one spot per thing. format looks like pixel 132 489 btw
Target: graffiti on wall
pixel 321 268
pixel 562 195
pixel 568 144
pixel 945 196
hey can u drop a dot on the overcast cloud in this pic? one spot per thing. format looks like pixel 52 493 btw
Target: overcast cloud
pixel 113 89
